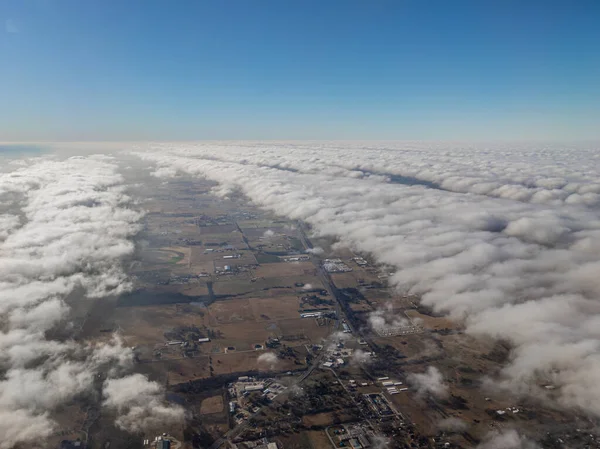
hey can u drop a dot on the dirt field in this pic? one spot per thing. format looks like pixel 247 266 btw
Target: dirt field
pixel 320 419
pixel 318 439
pixel 230 311
pixel 214 404
pixel 430 322
pixel 297 441
pixel 361 306
pixel 280 308
pixel 167 255
pixel 180 370
pixel 216 229
pixel 146 325
pixel 234 362
pixel 413 346
pixel 285 269
pixel 352 279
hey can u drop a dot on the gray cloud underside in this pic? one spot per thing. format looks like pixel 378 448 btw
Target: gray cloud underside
pixel 517 266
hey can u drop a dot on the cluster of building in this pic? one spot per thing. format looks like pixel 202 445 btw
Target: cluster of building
pixel 300 258
pixel 232 256
pixel 379 404
pixel 509 409
pixel 312 314
pixel 160 442
pixel 392 386
pixel 335 266
pixel 393 331
pixel 260 444
pixel 360 261
pixel 238 391
pixel 336 356
pixel 353 436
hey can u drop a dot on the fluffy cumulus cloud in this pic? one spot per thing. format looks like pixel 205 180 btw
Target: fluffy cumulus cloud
pixel 384 320
pixel 268 359
pixel 65 230
pixel 268 234
pixel 360 357
pixel 508 439
pixel 452 424
pixel 431 382
pixel 505 238
pixel 139 403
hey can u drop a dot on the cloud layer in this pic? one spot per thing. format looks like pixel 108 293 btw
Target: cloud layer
pixel 504 238
pixel 65 230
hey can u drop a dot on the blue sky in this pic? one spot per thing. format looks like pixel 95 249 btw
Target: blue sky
pixel 257 69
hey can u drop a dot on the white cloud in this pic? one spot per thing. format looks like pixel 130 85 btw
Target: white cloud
pixel 452 424
pixel 360 357
pixel 507 439
pixel 317 250
pixel 139 403
pixel 65 225
pixel 268 359
pixel 431 382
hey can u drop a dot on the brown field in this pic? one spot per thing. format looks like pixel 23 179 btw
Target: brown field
pixel 199 257
pixel 430 322
pixel 194 289
pixel 235 362
pixel 233 285
pixel 306 326
pixel 234 239
pixel 216 229
pixel 202 267
pixel 69 421
pixel 213 404
pixel 297 441
pixel 230 311
pixel 244 336
pixel 318 439
pixel 145 325
pixel 285 269
pixel 361 306
pixel 416 410
pixel 413 346
pixel 279 308
pixel 319 419
pixel 351 279
pixel 377 295
pixel 177 371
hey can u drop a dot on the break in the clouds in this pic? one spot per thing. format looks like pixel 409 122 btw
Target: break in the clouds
pixel 505 238
pixel 65 230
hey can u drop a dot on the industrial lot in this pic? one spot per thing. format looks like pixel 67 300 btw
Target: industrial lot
pixel 271 338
